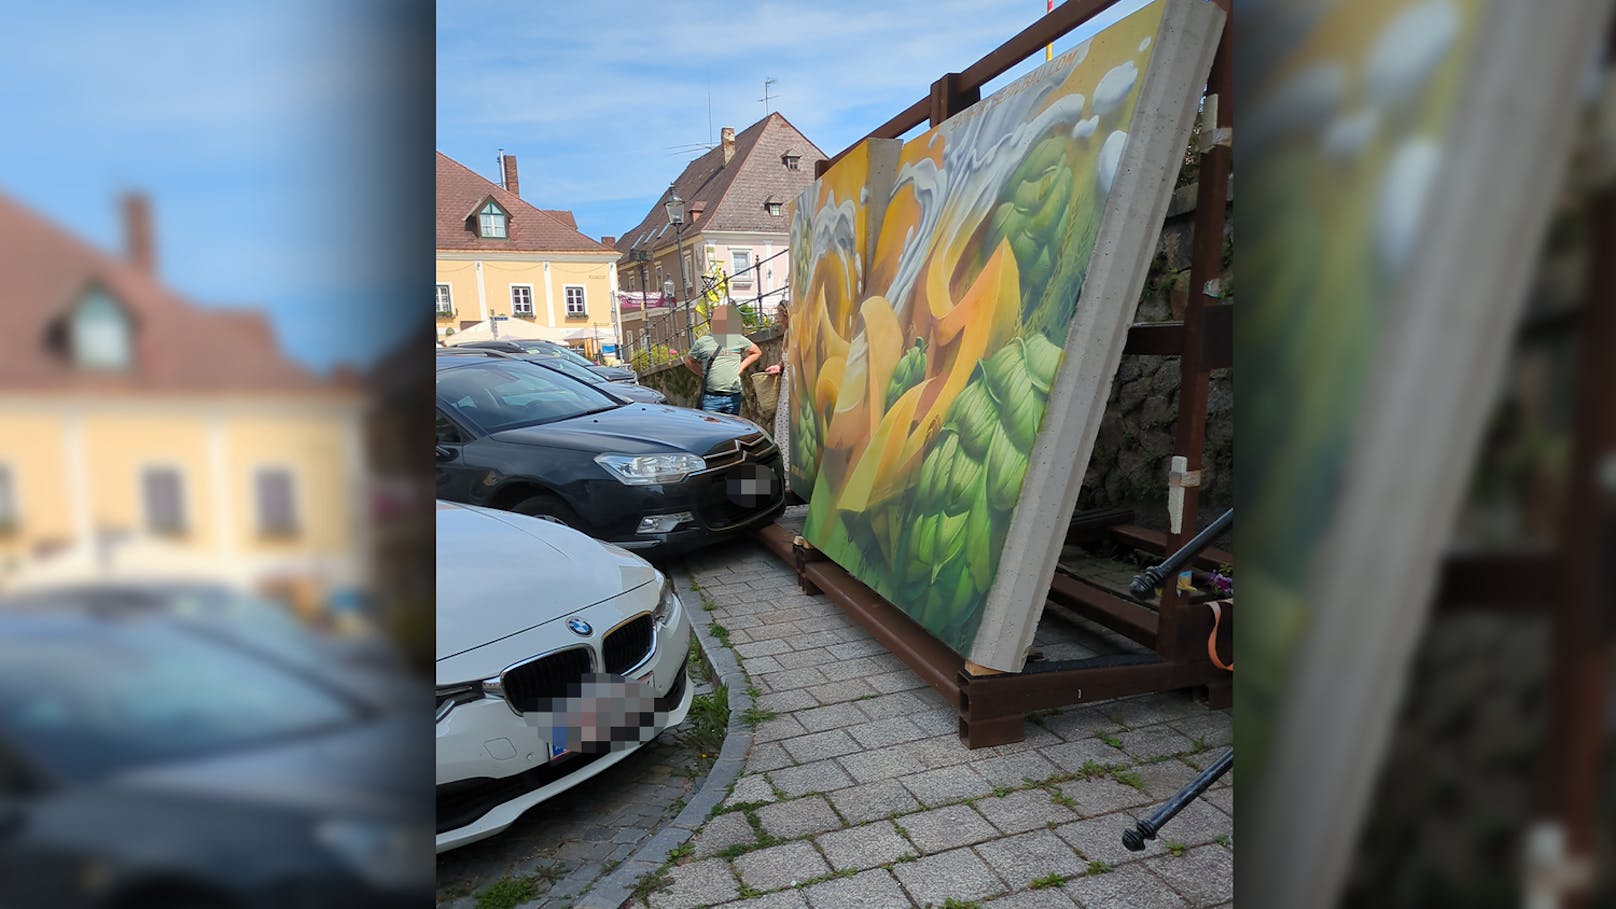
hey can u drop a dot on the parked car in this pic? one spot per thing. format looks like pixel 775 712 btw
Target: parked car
pixel 530 615
pixel 632 393
pixel 538 348
pixel 148 760
pixel 652 478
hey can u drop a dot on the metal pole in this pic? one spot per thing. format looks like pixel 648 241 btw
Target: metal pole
pixel 684 284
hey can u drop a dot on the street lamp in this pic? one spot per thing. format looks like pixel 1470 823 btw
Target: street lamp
pixel 676 217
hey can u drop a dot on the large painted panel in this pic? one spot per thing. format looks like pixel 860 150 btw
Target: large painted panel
pixel 952 298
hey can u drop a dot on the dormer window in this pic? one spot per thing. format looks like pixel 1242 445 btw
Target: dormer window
pixel 491 222
pixel 772 206
pixel 99 333
pixel 791 160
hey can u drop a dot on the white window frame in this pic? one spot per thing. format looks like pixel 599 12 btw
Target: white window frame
pixel 775 209
pixel 740 274
pixel 690 272
pixel 445 299
pixel 531 306
pixel 486 220
pixel 292 511
pixel 583 301
pixel 183 522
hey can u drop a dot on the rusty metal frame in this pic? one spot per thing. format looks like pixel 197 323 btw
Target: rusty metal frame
pixel 993 706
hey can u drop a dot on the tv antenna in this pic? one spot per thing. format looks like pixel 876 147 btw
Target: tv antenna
pixel 767 81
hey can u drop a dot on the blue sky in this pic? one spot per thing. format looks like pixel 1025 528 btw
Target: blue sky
pixel 590 96
pixel 250 126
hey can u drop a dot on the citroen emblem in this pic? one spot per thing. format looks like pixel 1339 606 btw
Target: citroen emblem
pixel 579 627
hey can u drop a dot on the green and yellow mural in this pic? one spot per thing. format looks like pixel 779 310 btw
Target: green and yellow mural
pixel 936 285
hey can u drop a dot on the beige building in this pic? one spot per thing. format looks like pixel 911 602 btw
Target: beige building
pixel 500 258
pixel 129 416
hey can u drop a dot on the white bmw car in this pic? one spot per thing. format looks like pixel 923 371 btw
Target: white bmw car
pixel 557 656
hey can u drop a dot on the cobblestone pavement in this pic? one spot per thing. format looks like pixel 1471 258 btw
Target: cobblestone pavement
pixel 857 793
pixel 565 844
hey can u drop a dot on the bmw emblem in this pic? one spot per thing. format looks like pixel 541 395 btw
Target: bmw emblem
pixel 579 627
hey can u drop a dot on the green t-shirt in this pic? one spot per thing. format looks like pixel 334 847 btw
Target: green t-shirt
pixel 724 370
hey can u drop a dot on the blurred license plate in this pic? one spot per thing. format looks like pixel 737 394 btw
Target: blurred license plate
pixel 751 485
pixel 604 713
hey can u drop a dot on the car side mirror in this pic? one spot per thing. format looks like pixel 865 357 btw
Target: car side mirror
pixel 445 453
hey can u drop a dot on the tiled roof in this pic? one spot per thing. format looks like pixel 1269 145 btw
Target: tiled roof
pixel 178 346
pixel 732 196
pixel 461 191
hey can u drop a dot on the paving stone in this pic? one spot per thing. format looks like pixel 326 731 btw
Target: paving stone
pixel 942 751
pixel 942 829
pixel 1103 795
pixel 1020 860
pixel 1015 769
pixel 868 802
pixel 799 817
pixel 864 847
pixel 1081 723
pixel 1215 728
pixel 787 701
pixel 753 788
pixel 1099 839
pixel 946 784
pixel 819 776
pixel 904 703
pixel 797 659
pixel 821 745
pixel 1197 823
pixel 1071 756
pixel 1149 709
pixel 958 875
pixel 755 665
pixel 766 757
pixel 1154 741
pixel 834 716
pixel 881 733
pixel 875 889
pixel 1205 874
pixel 773 631
pixel 722 832
pixel 851 649
pixel 781 727
pixel 882 763
pixel 841 670
pixel 791 678
pixel 1130 887
pixel 1051 898
pixel 761 649
pixel 938 722
pixel 900 680
pixel 696 884
pixel 1026 810
pixel 1165 778
pixel 1221 799
pixel 831 622
pixel 780 899
pixel 844 690
pixel 814 640
pixel 781 866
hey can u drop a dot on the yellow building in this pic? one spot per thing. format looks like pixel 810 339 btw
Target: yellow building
pixel 130 417
pixel 500 258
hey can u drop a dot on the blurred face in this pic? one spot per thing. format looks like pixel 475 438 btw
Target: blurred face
pixel 725 322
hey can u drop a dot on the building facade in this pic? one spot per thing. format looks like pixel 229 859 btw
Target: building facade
pixel 736 197
pixel 498 256
pixel 130 416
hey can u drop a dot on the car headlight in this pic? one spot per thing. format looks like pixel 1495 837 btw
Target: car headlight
pixel 387 854
pixel 667 605
pixel 650 470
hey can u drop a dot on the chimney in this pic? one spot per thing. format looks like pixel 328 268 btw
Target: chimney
pixel 137 233
pixel 609 241
pixel 727 136
pixel 510 175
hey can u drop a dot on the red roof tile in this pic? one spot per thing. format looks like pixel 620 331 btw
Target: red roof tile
pixel 178 346
pixel 731 196
pixel 461 191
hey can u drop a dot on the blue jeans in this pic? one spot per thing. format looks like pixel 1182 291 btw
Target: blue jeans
pixel 729 402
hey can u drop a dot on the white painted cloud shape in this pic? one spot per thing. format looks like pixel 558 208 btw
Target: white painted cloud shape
pixel 1409 50
pixel 1404 192
pixel 1114 87
pixel 1110 157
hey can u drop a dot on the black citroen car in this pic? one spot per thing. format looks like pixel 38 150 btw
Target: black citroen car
pixel 652 478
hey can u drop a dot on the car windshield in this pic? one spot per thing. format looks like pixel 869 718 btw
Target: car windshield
pixel 90 698
pixel 499 395
pixel 571 370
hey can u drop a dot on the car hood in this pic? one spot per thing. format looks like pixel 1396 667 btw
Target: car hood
pixel 636 429
pixel 638 393
pixel 614 373
pixel 501 573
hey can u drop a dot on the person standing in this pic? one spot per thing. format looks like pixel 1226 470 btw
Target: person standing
pixel 721 357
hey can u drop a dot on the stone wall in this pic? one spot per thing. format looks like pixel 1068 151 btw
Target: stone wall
pixel 1134 446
